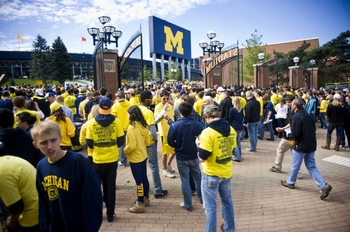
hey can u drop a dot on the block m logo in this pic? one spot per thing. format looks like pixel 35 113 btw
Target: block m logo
pixel 177 40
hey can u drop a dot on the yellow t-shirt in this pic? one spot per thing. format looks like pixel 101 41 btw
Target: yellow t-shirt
pixel 219 163
pixel 70 102
pixel 64 95
pixel 18 178
pixel 323 106
pixel 137 139
pixel 28 111
pixel 243 103
pixel 105 148
pixel 12 95
pixel 177 101
pixel 82 137
pixel 67 130
pixel 156 102
pixel 82 106
pixel 163 126
pixel 198 106
pixel 260 100
pixel 149 117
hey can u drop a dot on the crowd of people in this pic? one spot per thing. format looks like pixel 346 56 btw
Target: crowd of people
pixel 197 126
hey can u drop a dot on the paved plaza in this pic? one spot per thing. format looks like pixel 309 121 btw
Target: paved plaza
pixel 260 202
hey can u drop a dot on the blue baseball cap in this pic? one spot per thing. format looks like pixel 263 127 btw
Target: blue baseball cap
pixel 105 105
pixel 49 95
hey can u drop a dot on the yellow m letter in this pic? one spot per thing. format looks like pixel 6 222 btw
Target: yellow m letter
pixel 177 40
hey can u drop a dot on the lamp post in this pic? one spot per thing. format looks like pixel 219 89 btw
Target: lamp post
pixel 103 36
pixel 295 60
pixel 210 48
pixel 261 57
pixel 312 62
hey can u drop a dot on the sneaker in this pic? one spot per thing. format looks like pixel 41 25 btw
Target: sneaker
pixel 168 174
pixel 274 169
pixel 161 194
pixel 270 139
pixel 170 169
pixel 299 175
pixel 341 146
pixel 325 191
pixel 248 149
pixel 222 227
pixel 182 205
pixel 194 193
pixel 111 218
pixel 260 138
pixel 120 164
pixel 285 184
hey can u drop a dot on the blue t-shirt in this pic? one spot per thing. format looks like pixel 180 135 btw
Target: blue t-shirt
pixel 269 107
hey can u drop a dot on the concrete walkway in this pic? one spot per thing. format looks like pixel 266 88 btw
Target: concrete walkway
pixel 260 202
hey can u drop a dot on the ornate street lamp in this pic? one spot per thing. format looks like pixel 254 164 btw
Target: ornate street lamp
pixel 210 47
pixel 296 60
pixel 312 62
pixel 261 57
pixel 105 33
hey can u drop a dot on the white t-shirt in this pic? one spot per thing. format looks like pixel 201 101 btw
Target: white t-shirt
pixel 281 111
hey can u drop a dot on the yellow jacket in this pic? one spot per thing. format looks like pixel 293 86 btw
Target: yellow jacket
pixel 22 111
pixel 198 106
pixel 70 102
pixel 323 106
pixel 135 101
pixel 120 110
pixel 67 130
pixel 137 139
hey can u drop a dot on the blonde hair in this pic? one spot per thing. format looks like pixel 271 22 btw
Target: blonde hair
pixel 237 104
pixel 94 111
pixel 336 102
pixel 45 127
pixel 209 99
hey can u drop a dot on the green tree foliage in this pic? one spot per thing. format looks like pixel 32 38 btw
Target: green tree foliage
pixel 40 63
pixel 173 73
pixel 254 47
pixel 125 72
pixel 60 61
pixel 147 74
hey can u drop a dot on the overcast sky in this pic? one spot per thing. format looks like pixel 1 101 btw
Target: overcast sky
pixel 232 20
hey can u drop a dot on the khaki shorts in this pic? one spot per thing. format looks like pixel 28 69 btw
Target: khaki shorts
pixel 166 148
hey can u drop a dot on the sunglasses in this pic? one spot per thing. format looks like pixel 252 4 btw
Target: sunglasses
pixel 165 98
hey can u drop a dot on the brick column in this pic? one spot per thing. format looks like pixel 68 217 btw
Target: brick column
pixel 314 77
pixel 296 72
pixel 263 76
pixel 110 70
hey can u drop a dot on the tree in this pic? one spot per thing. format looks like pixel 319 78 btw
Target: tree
pixel 147 74
pixel 40 63
pixel 125 71
pixel 60 61
pixel 254 47
pixel 173 73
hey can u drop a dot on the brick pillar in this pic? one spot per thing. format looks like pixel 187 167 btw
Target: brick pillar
pixel 263 76
pixel 296 72
pixel 110 70
pixel 314 77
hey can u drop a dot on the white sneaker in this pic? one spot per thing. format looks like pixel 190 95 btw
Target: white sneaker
pixel 299 175
pixel 168 174
pixel 120 164
pixel 170 169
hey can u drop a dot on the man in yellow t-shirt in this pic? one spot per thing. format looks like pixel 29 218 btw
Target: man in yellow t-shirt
pixel 120 111
pixel 70 100
pixel 163 127
pixel 18 191
pixel 198 105
pixel 216 144
pixel 146 101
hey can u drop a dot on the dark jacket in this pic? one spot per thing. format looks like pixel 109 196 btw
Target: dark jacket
pixel 336 113
pixel 6 103
pixel 252 111
pixel 235 119
pixel 303 132
pixel 225 106
pixel 18 142
pixel 269 108
pixel 182 135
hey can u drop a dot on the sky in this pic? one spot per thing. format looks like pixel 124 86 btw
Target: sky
pixel 232 20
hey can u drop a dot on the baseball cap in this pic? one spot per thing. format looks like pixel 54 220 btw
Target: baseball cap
pixel 54 107
pixel 337 96
pixel 83 91
pixel 39 91
pixel 105 105
pixel 220 89
pixel 29 91
pixel 132 91
pixel 49 95
pixel 89 93
pixel 209 109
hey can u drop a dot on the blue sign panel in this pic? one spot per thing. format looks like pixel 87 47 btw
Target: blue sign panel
pixel 168 39
pixel 341 85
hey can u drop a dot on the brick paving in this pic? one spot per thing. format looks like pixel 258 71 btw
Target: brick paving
pixel 260 202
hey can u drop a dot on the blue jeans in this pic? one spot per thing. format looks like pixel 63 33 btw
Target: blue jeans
pixel 269 126
pixel 122 156
pixel 185 167
pixel 281 122
pixel 323 120
pixel 253 134
pixel 153 164
pixel 211 186
pixel 238 148
pixel 339 126
pixel 309 160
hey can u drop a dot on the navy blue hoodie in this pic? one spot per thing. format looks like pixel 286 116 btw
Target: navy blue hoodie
pixel 182 135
